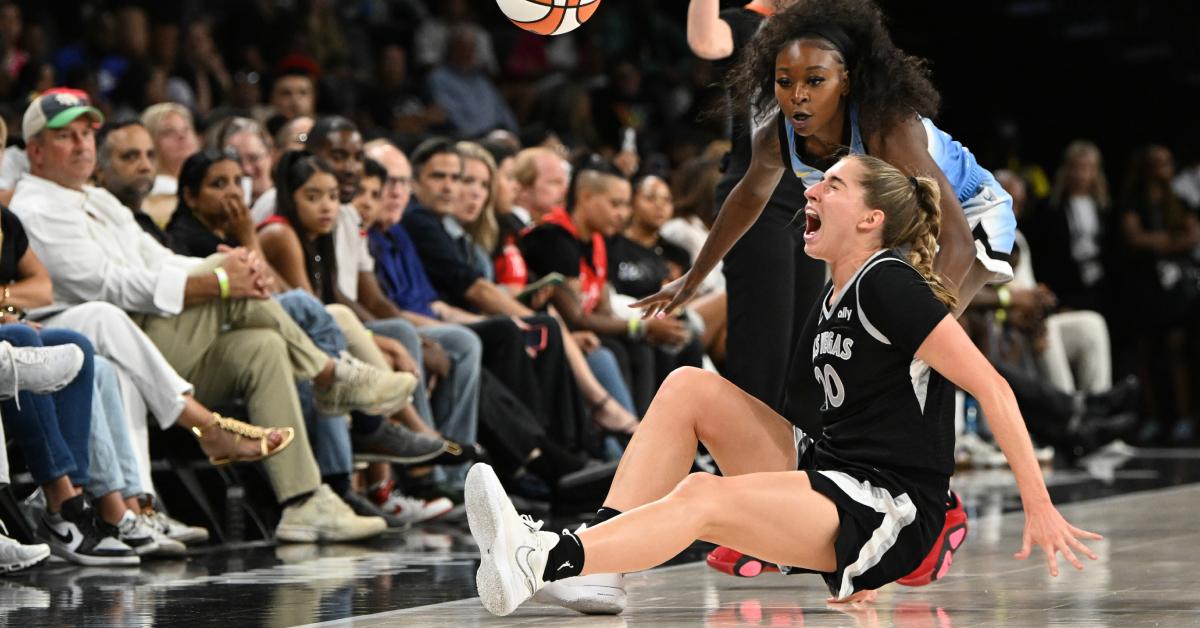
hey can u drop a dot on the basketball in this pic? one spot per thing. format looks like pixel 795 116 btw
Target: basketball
pixel 548 17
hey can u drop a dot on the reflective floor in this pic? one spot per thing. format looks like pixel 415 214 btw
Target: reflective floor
pixel 1145 504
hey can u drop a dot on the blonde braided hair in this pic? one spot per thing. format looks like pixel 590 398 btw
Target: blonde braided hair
pixel 914 217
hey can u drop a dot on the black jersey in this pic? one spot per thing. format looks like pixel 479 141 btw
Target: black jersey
pixel 883 412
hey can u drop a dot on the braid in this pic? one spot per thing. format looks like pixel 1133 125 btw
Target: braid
pixel 924 242
pixel 914 217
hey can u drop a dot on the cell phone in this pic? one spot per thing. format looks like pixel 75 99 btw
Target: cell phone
pixel 247 190
pixel 535 337
pixel 551 279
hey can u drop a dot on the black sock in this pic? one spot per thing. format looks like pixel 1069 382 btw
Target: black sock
pixel 338 482
pixel 604 514
pixel 298 500
pixel 565 559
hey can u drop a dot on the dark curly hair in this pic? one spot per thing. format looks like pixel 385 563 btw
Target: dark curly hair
pixel 886 83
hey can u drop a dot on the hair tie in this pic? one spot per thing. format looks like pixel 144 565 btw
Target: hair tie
pixel 913 182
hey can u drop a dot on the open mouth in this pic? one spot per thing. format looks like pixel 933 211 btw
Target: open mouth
pixel 801 118
pixel 812 223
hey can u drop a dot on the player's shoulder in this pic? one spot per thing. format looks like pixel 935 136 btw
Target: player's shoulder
pixel 889 271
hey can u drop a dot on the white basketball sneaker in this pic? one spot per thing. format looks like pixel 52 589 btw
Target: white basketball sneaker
pixel 512 548
pixel 595 594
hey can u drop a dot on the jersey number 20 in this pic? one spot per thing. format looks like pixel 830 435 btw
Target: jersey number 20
pixel 835 393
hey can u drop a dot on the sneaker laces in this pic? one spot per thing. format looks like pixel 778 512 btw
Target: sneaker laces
pixel 534 526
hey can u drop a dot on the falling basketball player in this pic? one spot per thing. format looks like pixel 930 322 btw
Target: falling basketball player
pixel 863 504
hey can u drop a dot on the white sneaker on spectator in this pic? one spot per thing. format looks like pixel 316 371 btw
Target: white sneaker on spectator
pixel 325 517
pixel 360 386
pixel 167 546
pixel 409 509
pixel 16 556
pixel 596 594
pixel 40 370
pixel 174 529
pixel 134 532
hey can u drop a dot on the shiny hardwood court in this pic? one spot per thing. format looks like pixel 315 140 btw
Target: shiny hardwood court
pixel 1145 504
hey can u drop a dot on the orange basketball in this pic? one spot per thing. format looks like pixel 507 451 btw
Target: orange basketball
pixel 548 17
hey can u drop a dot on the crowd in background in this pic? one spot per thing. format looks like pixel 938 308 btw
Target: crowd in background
pixel 372 197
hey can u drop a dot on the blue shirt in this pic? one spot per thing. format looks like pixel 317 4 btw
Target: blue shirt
pixel 401 274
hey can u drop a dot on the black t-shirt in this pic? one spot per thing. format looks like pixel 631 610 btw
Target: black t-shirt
pixel 14 246
pixel 450 272
pixel 639 272
pixel 789 194
pixel 551 249
pixel 883 412
pixel 149 226
pixel 189 236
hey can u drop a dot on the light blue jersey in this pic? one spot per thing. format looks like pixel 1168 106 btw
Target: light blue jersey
pixel 956 162
pixel 987 207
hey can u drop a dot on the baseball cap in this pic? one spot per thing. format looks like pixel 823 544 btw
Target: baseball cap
pixel 57 108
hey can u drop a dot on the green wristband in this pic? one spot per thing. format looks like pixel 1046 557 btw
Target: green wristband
pixel 222 281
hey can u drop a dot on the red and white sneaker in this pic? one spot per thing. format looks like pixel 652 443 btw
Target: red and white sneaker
pixel 408 509
pixel 937 563
pixel 730 561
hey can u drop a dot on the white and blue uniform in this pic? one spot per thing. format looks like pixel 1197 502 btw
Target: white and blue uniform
pixel 987 206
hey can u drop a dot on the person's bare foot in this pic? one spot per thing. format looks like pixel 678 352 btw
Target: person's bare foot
pixel 609 415
pixel 220 444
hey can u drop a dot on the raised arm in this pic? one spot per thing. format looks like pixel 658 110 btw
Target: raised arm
pixel 739 212
pixel 708 35
pixel 948 351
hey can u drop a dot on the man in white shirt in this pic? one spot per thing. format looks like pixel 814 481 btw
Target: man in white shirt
pixel 211 319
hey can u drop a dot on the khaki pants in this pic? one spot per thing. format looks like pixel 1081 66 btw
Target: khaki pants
pixel 248 348
pixel 358 338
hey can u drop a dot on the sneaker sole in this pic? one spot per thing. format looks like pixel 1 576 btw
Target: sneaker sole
pixel 25 564
pixel 591 600
pixel 308 534
pixel 96 561
pixel 483 514
pixel 190 538
pixel 398 459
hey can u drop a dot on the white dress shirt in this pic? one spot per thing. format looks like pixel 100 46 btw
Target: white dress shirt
pixel 95 250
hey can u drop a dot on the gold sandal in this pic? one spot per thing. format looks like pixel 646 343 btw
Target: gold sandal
pixel 245 430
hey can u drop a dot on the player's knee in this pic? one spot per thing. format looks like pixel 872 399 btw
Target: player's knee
pixel 696 486
pixel 698 491
pixel 687 382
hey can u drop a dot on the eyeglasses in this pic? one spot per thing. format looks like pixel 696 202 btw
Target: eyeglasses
pixel 397 181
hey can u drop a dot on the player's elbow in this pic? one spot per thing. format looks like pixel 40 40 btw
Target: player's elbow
pixel 704 47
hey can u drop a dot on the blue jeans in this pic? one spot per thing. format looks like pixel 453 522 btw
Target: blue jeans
pixel 114 463
pixel 457 399
pixel 604 366
pixel 328 436
pixel 53 431
pixel 403 331
pixel 310 315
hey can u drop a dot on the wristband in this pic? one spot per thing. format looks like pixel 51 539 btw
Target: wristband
pixel 222 281
pixel 1005 296
pixel 635 327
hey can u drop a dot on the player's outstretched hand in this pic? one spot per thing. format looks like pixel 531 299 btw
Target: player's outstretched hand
pixel 1048 529
pixel 673 296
